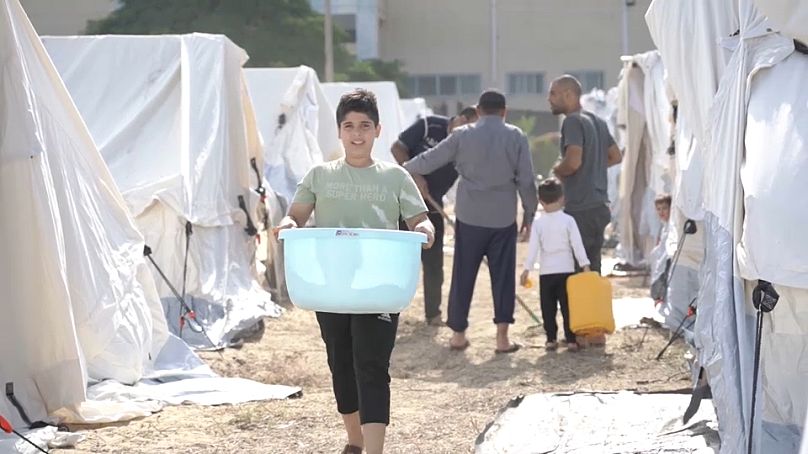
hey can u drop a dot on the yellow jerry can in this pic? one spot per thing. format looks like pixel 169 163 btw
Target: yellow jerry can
pixel 590 301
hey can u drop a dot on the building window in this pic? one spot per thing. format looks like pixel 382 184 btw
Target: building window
pixel 588 79
pixel 346 22
pixel 447 85
pixel 471 84
pixel 525 83
pixel 426 86
pixel 444 85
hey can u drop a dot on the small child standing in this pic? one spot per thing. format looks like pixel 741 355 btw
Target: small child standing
pixel 555 242
pixel 661 267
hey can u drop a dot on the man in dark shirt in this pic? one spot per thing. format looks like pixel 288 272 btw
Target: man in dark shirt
pixel 587 150
pixel 422 135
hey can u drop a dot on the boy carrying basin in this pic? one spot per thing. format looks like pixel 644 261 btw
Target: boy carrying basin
pixel 359 192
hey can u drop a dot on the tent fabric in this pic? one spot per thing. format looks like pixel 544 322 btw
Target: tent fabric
pixel 299 130
pixel 413 109
pixel 773 245
pixel 390 115
pixel 688 31
pixel 685 32
pixel 644 111
pixel 75 271
pixel 173 120
pixel 756 104
pixel 790 16
pixel 757 49
pixel 308 135
pixel 81 309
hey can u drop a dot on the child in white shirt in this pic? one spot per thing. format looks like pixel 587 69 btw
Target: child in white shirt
pixel 556 242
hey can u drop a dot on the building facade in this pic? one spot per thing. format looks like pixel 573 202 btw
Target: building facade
pixel 453 49
pixel 66 17
pixel 361 19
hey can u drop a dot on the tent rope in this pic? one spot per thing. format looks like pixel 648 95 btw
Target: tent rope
pixel 189 312
pixel 250 229
pixel 188 232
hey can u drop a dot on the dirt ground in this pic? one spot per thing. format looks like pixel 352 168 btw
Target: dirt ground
pixel 442 399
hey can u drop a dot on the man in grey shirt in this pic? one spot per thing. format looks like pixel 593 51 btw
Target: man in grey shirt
pixel 494 164
pixel 587 150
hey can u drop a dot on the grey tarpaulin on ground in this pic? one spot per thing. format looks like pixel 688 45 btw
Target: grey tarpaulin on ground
pixel 599 422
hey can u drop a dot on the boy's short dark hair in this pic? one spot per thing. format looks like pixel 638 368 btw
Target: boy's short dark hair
pixel 550 190
pixel 663 199
pixel 359 100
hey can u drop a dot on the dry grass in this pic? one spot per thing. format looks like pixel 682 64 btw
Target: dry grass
pixel 441 399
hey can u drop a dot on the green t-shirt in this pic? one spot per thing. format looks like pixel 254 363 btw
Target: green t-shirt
pixel 360 197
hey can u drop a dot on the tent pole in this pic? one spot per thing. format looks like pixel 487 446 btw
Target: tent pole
pixel 329 43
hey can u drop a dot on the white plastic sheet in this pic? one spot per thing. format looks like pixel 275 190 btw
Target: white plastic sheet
pixel 412 109
pixel 645 112
pixel 790 16
pixel 308 135
pixel 757 113
pixel 391 117
pixel 599 422
pixel 79 303
pixel 688 34
pixel 773 244
pixel 173 119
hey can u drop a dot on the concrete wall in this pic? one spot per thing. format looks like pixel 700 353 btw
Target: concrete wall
pixel 66 17
pixel 550 37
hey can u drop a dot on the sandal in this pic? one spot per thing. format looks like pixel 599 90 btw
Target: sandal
pixel 514 347
pixel 351 449
pixel 435 321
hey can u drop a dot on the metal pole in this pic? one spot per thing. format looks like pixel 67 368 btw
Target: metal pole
pixel 494 63
pixel 329 43
pixel 625 26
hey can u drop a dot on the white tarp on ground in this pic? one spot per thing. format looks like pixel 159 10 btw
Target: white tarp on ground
pixel 307 133
pixel 390 115
pixel 598 423
pixel 754 152
pixel 173 120
pixel 412 109
pixel 79 304
pixel 644 110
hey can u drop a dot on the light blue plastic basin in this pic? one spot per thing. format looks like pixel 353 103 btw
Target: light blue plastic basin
pixel 352 271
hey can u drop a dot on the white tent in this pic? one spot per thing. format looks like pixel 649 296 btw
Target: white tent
pixel 78 300
pixel 299 131
pixel 644 111
pixel 740 86
pixel 412 109
pixel 391 116
pixel 304 136
pixel 173 120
